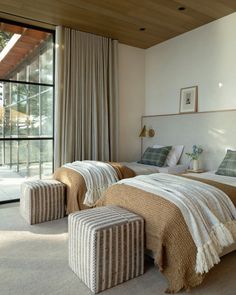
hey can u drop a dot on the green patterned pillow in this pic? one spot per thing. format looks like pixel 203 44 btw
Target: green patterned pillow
pixel 228 165
pixel 155 156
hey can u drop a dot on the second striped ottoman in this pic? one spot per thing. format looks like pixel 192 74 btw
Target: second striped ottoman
pixel 42 200
pixel 106 246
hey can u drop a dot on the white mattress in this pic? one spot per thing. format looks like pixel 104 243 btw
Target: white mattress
pixel 219 178
pixel 141 169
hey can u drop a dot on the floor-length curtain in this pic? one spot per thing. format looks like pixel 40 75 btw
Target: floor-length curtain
pixel 86 97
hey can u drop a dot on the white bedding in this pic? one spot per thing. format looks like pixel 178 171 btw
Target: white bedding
pixel 219 178
pixel 222 179
pixel 142 169
pixel 205 208
pixel 98 176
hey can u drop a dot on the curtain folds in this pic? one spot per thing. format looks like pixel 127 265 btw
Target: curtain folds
pixel 86 97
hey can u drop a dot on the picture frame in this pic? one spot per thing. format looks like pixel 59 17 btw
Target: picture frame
pixel 188 100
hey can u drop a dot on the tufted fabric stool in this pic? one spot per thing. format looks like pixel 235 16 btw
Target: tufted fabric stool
pixel 42 200
pixel 106 246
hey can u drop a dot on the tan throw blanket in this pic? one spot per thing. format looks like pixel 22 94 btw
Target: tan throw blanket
pixel 98 176
pixel 167 234
pixel 76 187
pixel 205 208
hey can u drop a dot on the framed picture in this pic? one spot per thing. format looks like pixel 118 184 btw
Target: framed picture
pixel 188 99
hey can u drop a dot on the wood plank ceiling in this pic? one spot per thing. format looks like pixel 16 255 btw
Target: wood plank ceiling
pixel 29 40
pixel 123 19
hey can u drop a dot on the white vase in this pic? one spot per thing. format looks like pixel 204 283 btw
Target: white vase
pixel 195 165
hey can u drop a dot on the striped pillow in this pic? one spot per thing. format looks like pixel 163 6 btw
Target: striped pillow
pixel 154 156
pixel 228 165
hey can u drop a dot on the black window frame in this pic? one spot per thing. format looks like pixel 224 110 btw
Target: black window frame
pixel 4 139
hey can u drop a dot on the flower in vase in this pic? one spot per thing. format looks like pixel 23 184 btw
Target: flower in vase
pixel 196 152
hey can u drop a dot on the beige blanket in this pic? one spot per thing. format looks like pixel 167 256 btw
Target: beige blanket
pixel 167 234
pixel 76 188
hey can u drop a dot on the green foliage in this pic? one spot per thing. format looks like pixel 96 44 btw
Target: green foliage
pixel 4 38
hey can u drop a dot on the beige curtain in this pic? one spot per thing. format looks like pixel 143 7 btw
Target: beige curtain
pixel 86 97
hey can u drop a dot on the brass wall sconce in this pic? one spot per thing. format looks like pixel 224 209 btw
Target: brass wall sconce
pixel 147 132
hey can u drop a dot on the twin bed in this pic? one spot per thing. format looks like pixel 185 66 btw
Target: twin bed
pixel 167 235
pixel 189 221
pixel 86 180
pixel 76 186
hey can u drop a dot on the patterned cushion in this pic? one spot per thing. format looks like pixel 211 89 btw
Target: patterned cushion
pixel 155 156
pixel 228 165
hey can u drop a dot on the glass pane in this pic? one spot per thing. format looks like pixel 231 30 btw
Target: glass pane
pixel 22 92
pixel 28 158
pixel 6 97
pixel 22 75
pixel 32 64
pixel 46 63
pixel 5 38
pixel 14 121
pixel 23 158
pixel 34 158
pixel 22 119
pixel 47 111
pixel 7 155
pixel 26 110
pixel 10 180
pixel 34 70
pixel 47 157
pixel 1 111
pixel 1 153
pixel 34 111
pixel 14 154
pixel 13 93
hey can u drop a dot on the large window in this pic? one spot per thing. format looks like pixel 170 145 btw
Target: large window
pixel 26 103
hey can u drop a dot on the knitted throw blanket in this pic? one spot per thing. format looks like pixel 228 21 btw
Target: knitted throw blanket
pixel 98 176
pixel 205 209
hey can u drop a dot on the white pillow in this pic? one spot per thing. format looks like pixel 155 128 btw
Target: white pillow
pixel 174 154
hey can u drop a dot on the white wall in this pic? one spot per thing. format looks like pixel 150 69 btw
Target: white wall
pixel 205 57
pixel 132 100
pixel 150 80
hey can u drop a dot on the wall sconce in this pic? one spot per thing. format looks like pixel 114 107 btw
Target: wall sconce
pixel 147 132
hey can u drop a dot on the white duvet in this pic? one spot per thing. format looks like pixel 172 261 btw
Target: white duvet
pixel 142 169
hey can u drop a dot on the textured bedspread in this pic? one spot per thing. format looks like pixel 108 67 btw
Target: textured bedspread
pixel 167 234
pixel 76 188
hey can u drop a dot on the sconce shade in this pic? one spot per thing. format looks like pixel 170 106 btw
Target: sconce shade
pixel 147 132
pixel 143 132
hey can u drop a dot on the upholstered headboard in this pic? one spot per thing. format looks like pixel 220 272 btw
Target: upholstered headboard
pixel 214 131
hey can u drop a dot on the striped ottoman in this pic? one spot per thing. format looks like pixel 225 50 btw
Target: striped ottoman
pixel 106 246
pixel 42 200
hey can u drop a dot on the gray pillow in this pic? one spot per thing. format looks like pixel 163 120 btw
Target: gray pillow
pixel 228 165
pixel 155 156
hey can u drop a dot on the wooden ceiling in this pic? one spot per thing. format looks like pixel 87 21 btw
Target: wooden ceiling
pixel 122 19
pixel 29 40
